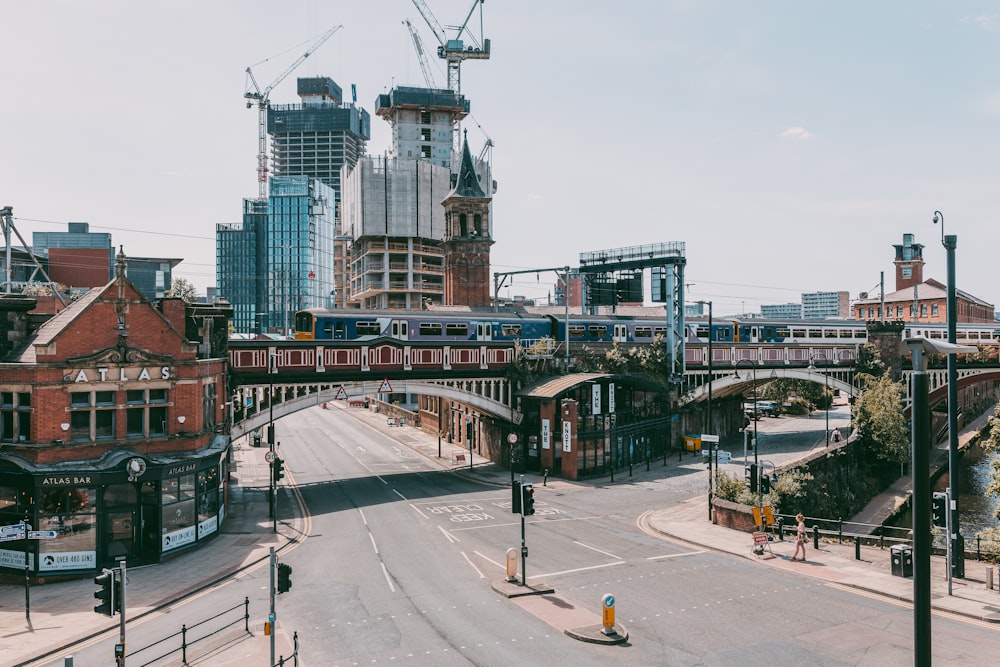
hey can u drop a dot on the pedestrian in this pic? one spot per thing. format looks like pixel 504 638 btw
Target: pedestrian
pixel 800 537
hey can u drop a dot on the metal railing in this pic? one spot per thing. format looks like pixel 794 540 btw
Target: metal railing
pixel 186 642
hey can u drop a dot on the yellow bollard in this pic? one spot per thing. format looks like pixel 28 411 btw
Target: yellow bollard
pixel 512 564
pixel 608 607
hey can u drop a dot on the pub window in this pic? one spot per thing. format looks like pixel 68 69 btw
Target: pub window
pixel 92 415
pixel 15 416
pixel 934 309
pixel 923 310
pixel 146 414
pixel 208 405
pixel 899 311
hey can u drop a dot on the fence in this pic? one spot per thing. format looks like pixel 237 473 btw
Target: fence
pixel 183 634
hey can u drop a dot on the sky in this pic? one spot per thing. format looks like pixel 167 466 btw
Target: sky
pixel 789 144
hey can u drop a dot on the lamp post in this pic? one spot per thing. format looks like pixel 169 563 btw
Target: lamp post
pixel 756 446
pixel 708 420
pixel 950 243
pixel 826 397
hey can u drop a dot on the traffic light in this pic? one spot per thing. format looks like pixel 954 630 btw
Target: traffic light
pixel 106 580
pixel 529 499
pixel 278 470
pixel 939 509
pixel 748 437
pixel 284 577
pixel 515 497
pixel 752 477
pixel 765 484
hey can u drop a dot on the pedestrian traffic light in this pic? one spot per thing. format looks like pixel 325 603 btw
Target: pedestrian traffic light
pixel 765 484
pixel 278 470
pixel 748 436
pixel 752 477
pixel 939 509
pixel 106 580
pixel 284 577
pixel 529 499
pixel 515 497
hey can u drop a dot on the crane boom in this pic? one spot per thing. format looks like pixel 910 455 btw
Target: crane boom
pixel 431 22
pixel 262 99
pixel 418 45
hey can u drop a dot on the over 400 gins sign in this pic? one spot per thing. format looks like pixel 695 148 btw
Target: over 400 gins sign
pixel 119 374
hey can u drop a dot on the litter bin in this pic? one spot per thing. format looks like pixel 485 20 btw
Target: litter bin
pixel 901 556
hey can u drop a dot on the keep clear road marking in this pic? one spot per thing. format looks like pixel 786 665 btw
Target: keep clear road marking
pixel 418 511
pixel 448 536
pixel 578 569
pixel 686 553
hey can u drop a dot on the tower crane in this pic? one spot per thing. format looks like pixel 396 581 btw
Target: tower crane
pixel 418 45
pixel 454 50
pixel 255 94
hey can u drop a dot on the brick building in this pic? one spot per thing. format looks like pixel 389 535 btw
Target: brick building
pixel 112 428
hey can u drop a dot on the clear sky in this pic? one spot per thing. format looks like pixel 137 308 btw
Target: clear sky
pixel 788 143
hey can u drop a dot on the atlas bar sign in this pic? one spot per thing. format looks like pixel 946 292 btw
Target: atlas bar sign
pixel 119 374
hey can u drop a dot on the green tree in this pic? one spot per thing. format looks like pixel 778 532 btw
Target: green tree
pixel 991 444
pixel 878 414
pixel 869 362
pixel 182 289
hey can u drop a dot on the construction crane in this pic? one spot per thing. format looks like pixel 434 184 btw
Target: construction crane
pixel 418 45
pixel 454 50
pixel 255 94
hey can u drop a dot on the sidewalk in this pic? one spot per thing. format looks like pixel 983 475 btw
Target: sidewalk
pixel 62 612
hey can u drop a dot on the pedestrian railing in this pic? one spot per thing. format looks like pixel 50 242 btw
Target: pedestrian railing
pixel 186 641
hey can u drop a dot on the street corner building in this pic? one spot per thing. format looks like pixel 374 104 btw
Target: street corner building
pixel 114 438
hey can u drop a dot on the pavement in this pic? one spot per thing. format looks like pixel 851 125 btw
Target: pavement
pixel 61 613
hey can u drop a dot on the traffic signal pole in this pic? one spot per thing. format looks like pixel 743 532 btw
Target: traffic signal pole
pixel 272 617
pixel 120 649
pixel 524 547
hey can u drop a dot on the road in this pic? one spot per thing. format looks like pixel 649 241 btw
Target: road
pixel 399 559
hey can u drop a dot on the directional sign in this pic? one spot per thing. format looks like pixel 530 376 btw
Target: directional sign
pixel 9 530
pixel 386 388
pixel 42 534
pixel 12 537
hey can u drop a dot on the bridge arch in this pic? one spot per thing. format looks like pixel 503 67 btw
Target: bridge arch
pixel 731 384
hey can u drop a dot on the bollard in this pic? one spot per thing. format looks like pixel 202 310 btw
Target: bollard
pixel 781 528
pixel 840 531
pixel 815 537
pixel 989 577
pixel 608 614
pixel 857 547
pixel 545 477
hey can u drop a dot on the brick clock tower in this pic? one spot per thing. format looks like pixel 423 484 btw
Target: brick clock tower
pixel 467 239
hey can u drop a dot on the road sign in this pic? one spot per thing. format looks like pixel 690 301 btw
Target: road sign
pixel 386 388
pixel 709 438
pixel 42 534
pixel 341 394
pixel 512 438
pixel 11 537
pixel 269 457
pixel 12 529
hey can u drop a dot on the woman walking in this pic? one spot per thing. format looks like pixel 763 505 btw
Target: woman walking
pixel 800 537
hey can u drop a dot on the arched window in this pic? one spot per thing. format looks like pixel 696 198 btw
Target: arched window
pixel 463 225
pixel 477 224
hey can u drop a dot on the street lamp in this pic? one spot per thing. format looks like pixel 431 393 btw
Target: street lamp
pixel 950 243
pixel 827 398
pixel 756 446
pixel 709 411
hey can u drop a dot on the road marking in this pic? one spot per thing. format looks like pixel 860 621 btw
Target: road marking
pixel 399 494
pixel 587 546
pixel 374 546
pixel 578 569
pixel 489 560
pixel 686 553
pixel 481 575
pixel 387 579
pixel 418 511
pixel 364 519
pixel 451 538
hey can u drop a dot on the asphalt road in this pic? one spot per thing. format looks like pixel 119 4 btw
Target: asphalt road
pixel 400 556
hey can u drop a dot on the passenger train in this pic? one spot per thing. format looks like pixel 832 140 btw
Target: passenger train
pixel 339 324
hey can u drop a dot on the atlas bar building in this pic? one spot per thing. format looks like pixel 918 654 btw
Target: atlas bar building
pixel 113 439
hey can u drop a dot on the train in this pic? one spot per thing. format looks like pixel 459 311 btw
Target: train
pixel 440 326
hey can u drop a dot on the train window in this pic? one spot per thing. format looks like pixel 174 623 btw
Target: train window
pixel 456 329
pixel 577 331
pixel 510 329
pixel 861 333
pixel 327 328
pixel 304 322
pixel 368 328
pixel 781 332
pixel 936 333
pixel 657 331
pixel 814 333
pixel 644 332
pixel 798 333
pixel 598 331
pixel 845 333
pixel 701 332
pixel 430 328
pixel 829 333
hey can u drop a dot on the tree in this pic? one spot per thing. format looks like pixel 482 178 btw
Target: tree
pixel 991 443
pixel 878 414
pixel 182 289
pixel 869 362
